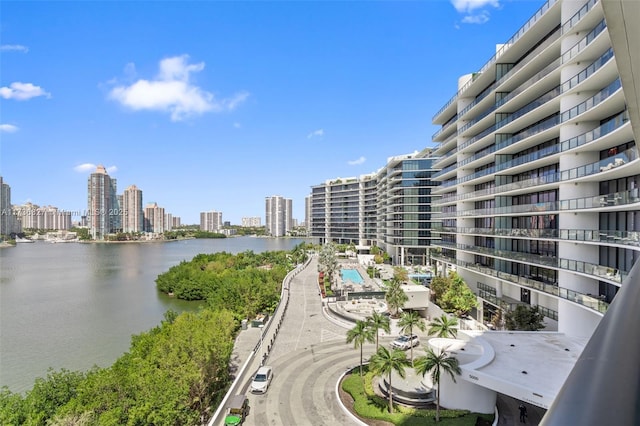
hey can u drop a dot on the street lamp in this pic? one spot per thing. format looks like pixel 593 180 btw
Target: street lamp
pixel 261 326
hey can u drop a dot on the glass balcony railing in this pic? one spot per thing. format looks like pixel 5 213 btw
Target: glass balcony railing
pixel 445 126
pixel 567 26
pixel 598 98
pixel 601 236
pixel 595 202
pixel 545 152
pixel 577 141
pixel 588 71
pixel 579 46
pixel 598 271
pixel 583 299
pixel 530 82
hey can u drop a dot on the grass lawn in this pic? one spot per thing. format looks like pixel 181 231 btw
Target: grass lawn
pixel 371 406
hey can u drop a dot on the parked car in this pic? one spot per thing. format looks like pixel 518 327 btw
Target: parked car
pixel 237 410
pixel 262 380
pixel 405 342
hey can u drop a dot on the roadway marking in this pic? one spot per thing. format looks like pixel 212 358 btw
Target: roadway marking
pixel 327 336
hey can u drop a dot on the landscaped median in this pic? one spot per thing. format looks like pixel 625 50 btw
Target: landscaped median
pixel 370 406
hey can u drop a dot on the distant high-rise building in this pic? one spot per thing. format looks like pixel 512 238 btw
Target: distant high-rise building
pixel 6 222
pixel 307 213
pixel 154 218
pixel 175 222
pixel 211 221
pixel 168 221
pixel 251 222
pixel 102 204
pixel 278 215
pixel 132 211
pixel 32 216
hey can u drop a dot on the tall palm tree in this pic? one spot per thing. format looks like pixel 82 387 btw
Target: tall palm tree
pixel 385 362
pixel 436 363
pixel 360 334
pixel 444 326
pixel 407 322
pixel 377 322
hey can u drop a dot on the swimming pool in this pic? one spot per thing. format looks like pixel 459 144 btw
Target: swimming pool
pixel 351 275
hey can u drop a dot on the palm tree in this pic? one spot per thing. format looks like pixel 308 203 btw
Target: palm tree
pixel 395 297
pixel 406 324
pixel 377 322
pixel 444 327
pixel 436 363
pixel 385 362
pixel 360 334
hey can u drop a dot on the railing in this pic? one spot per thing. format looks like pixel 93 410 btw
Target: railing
pixel 583 299
pixel 578 16
pixel 588 71
pixel 500 51
pixel 267 337
pixel 577 48
pixel 596 99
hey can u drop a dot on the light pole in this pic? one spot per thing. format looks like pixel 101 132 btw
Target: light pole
pixel 261 327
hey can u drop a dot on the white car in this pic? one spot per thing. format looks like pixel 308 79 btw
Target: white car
pixel 405 342
pixel 262 380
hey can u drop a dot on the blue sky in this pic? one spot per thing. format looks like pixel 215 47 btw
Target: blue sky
pixel 208 105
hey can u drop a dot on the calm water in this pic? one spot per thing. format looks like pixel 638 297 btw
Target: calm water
pixel 76 305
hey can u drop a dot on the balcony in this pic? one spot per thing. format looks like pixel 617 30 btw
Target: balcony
pixel 582 299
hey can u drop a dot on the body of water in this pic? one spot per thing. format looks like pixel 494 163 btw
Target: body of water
pixel 76 305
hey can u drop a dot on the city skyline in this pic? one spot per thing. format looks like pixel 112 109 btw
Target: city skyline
pixel 197 102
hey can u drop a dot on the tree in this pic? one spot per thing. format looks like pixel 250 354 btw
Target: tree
pixel 435 364
pixel 400 274
pixel 377 322
pixel 327 260
pixel 459 299
pixel 439 286
pixel 395 297
pixel 407 322
pixel 360 334
pixel 443 326
pixel 384 362
pixel 526 318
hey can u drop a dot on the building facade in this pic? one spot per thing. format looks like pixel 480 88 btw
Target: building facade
pixel 6 212
pixel 103 210
pixel 154 218
pixel 390 208
pixel 32 216
pixel 211 221
pixel 132 210
pixel 251 222
pixel 278 215
pixel 539 182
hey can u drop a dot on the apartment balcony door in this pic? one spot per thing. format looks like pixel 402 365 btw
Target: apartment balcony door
pixel 525 296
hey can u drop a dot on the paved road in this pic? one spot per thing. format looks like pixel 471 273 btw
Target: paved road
pixel 308 357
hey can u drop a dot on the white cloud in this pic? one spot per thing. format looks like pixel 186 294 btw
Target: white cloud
pixel 475 11
pixel 480 18
pixel 316 133
pixel 14 47
pixel 90 167
pixel 8 128
pixel 172 91
pixel 22 91
pixel 237 125
pixel 357 162
pixel 468 6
